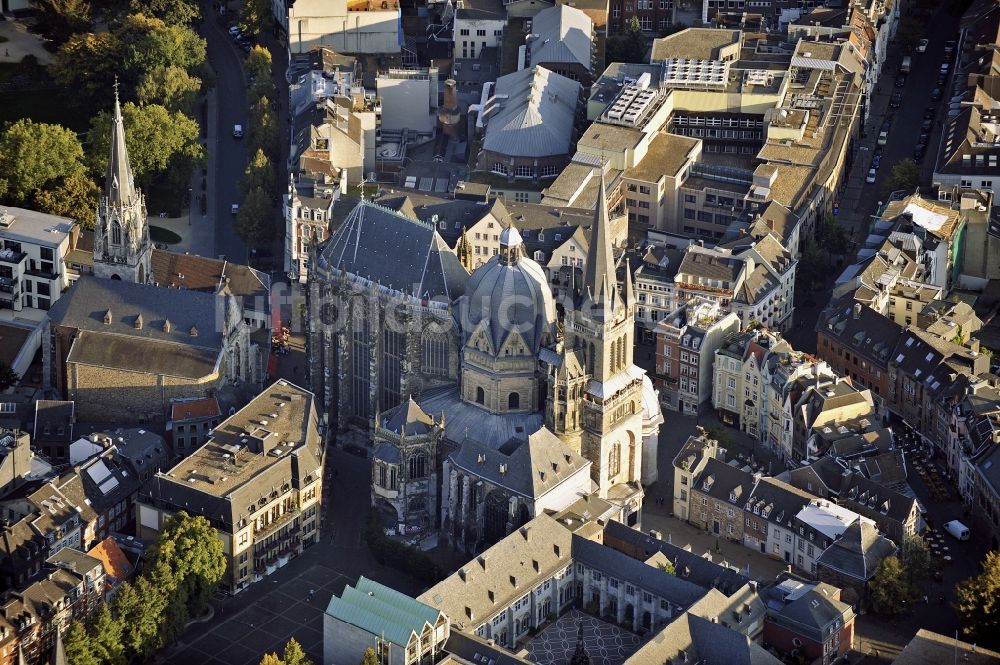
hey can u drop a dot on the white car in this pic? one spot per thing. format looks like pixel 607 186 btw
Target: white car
pixel 237 131
pixel 236 207
pixel 871 176
pixel 922 46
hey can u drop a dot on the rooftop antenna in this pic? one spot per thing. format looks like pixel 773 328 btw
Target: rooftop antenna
pixel 364 181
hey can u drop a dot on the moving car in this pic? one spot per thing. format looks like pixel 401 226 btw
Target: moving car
pixel 922 46
pixel 237 131
pixel 957 529
pixel 235 209
pixel 871 176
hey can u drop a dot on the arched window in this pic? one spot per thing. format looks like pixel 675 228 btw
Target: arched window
pixel 116 233
pixel 513 401
pixel 480 395
pixel 614 460
pixel 418 466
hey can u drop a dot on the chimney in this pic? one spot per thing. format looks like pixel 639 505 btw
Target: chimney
pixel 534 564
pixel 857 310
pixel 166 325
pixel 482 560
pixel 107 317
pixel 526 532
pixel 137 324
pixel 558 552
pixel 513 581
pixel 194 331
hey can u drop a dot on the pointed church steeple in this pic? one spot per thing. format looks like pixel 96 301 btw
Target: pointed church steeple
pixel 122 249
pixel 599 281
pixel 119 185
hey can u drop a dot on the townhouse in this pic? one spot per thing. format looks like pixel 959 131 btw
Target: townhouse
pixel 808 619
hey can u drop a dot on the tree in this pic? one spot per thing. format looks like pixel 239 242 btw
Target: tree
pixel 259 174
pixel 832 237
pixel 294 655
pixel 979 602
pixel 139 608
pixel 147 43
pixel 171 87
pixel 668 567
pixel 630 46
pixel 179 12
pixel 263 128
pixel 156 138
pixel 811 269
pixel 33 154
pixel 905 176
pixel 58 20
pixel 253 221
pixel 889 588
pixel 255 17
pixel 87 64
pixel 8 377
pixel 189 553
pixel 106 637
pixel 73 196
pixel 79 650
pixel 911 30
pixel 916 560
pixel 258 63
pixel 271 659
pixel 369 658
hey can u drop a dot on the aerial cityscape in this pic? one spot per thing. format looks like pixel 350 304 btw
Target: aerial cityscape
pixel 499 332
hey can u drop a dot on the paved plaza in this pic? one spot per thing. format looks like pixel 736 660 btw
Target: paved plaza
pixel 606 644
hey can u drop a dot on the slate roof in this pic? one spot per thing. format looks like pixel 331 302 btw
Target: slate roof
pixel 465 420
pixel 688 565
pixel 529 466
pixel 561 34
pixel 382 611
pixel 711 265
pixel 784 500
pixel 858 552
pixel 806 608
pixel 719 480
pixel 700 641
pixel 894 505
pixel 143 355
pixel 397 252
pixel 407 419
pixel 537 117
pixel 85 304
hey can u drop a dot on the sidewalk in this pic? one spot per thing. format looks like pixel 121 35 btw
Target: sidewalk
pixel 19 43
pixel 202 227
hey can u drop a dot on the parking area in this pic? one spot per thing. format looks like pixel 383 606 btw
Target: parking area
pixel 289 609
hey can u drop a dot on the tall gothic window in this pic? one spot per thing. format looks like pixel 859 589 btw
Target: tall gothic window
pixel 418 466
pixel 116 233
pixel 614 460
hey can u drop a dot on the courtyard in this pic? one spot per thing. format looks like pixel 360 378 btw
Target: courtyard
pixel 605 643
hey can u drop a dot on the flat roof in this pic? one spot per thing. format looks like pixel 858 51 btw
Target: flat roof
pixel 38 228
pixel 12 338
pixel 666 155
pixel 280 416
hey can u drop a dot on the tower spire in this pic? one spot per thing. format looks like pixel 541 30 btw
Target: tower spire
pixel 600 280
pixel 119 186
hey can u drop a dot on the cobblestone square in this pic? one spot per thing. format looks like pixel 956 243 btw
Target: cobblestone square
pixel 605 643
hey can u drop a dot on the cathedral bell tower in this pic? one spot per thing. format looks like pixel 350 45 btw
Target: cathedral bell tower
pixel 602 329
pixel 122 249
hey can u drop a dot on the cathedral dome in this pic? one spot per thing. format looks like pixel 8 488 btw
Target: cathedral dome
pixel 511 293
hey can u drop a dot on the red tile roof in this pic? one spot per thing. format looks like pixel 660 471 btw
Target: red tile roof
pixel 115 562
pixel 195 408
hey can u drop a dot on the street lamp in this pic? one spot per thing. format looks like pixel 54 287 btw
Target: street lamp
pixel 190 205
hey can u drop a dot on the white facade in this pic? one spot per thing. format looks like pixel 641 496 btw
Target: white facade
pixel 474 32
pixel 367 27
pixel 409 100
pixel 33 247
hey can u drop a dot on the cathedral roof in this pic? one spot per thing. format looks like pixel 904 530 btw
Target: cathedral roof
pixel 529 466
pixel 510 295
pixel 407 418
pixel 400 253
pixel 463 419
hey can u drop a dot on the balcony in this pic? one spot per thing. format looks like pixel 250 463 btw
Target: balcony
pixel 9 284
pixel 274 526
pixel 41 274
pixel 11 257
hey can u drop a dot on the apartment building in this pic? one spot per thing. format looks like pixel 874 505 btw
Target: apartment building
pixel 367 27
pixel 33 247
pixel 258 478
pixel 718 495
pixel 737 389
pixel 686 342
pixel 687 464
pixel 308 211
pixel 808 619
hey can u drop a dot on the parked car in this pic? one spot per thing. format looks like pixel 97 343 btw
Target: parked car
pixel 936 94
pixel 876 162
pixel 883 137
pixel 918 152
pixel 957 529
pixel 237 131
pixel 949 47
pixel 922 46
pixel 929 113
pixel 922 139
pixel 926 125
pixel 872 173
pixel 944 68
pixel 900 81
pixel 895 100
pixel 235 208
pixel 942 79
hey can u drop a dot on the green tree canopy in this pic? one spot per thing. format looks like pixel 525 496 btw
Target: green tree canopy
pixel 171 87
pixel 87 64
pixel 905 176
pixel 190 552
pixel 629 46
pixel 258 68
pixel 255 17
pixel 369 658
pixel 259 174
pixel 916 560
pixel 179 12
pixel 106 637
pixel 889 588
pixel 33 155
pixel 271 659
pixel 294 655
pixel 60 19
pixel 831 236
pixel 156 138
pixel 147 43
pixel 263 128
pixel 254 223
pixel 978 602
pixel 79 649
pixel 73 196
pixel 8 377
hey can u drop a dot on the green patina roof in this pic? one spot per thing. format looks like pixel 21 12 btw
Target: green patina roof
pixel 382 611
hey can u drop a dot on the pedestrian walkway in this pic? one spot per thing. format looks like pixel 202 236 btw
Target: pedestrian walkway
pixel 202 237
pixel 16 42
